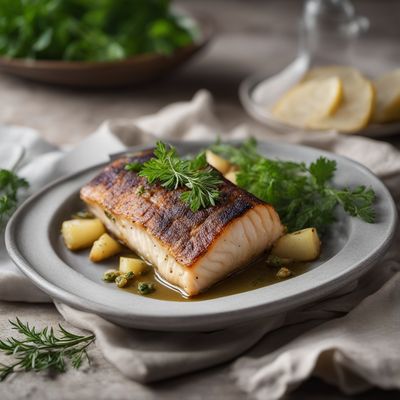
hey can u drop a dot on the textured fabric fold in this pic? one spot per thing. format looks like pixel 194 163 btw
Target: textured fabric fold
pixel 349 339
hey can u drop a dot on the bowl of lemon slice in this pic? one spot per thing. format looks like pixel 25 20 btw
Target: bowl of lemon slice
pixel 327 98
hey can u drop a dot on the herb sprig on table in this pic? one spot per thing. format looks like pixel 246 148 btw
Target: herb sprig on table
pixel 166 167
pixel 43 350
pixel 10 184
pixel 302 194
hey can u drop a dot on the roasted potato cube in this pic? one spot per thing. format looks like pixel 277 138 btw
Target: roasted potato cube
pixel 81 233
pixel 135 265
pixel 218 162
pixel 303 245
pixel 231 176
pixel 104 247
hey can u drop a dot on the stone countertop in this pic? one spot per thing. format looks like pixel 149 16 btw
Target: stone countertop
pixel 250 36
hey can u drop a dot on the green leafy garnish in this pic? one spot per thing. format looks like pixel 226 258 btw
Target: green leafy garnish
pixel 133 166
pixel 43 350
pixel 10 183
pixel 302 195
pixel 173 172
pixel 246 153
pixel 90 30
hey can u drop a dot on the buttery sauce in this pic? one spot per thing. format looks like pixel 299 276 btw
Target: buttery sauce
pixel 257 275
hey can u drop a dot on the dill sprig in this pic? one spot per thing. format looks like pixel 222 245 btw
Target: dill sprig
pixel 10 183
pixel 173 172
pixel 40 350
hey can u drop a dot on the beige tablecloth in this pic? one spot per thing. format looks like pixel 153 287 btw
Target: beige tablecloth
pixel 350 339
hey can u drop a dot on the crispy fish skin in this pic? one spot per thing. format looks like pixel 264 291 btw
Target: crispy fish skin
pixel 190 250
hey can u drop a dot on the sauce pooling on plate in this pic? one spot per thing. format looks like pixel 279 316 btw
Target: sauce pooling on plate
pixel 257 275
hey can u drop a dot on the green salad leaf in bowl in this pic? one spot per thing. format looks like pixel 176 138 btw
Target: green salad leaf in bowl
pixel 90 30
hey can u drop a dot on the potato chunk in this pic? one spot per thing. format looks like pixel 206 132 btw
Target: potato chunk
pixel 81 233
pixel 218 162
pixel 231 176
pixel 135 265
pixel 303 245
pixel 104 247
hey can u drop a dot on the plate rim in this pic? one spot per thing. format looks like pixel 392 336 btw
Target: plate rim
pixel 225 318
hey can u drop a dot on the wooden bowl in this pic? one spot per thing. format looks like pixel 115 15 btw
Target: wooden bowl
pixel 131 71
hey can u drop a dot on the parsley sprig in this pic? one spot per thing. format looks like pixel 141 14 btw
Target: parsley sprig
pixel 174 172
pixel 10 183
pixel 40 350
pixel 302 194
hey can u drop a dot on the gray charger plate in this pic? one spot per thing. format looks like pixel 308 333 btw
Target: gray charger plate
pixel 349 250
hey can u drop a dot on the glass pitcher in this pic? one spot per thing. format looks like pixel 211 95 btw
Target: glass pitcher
pixel 329 30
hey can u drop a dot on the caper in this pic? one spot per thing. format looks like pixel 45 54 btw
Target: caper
pixel 111 275
pixel 121 281
pixel 146 288
pixel 284 273
pixel 129 275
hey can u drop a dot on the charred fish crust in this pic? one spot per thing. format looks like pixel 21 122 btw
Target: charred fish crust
pixel 130 180
pixel 117 168
pixel 107 178
pixel 187 235
pixel 204 235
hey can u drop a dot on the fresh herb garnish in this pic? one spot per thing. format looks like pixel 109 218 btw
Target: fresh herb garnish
pixel 174 172
pixel 10 183
pixel 43 350
pixel 91 30
pixel 133 166
pixel 302 195
pixel 238 155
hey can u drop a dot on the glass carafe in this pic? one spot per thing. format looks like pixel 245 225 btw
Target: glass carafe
pixel 329 30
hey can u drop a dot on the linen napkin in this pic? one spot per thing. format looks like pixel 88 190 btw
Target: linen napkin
pixel 349 339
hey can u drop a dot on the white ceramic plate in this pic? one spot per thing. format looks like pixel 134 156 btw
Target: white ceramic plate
pixel 350 249
pixel 259 112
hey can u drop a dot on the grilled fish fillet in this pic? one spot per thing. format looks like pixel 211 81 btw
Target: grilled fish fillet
pixel 189 250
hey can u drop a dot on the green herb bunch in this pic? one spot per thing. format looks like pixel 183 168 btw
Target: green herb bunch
pixel 302 194
pixel 90 30
pixel 10 184
pixel 43 350
pixel 173 172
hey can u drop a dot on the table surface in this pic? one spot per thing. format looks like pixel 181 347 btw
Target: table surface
pixel 251 36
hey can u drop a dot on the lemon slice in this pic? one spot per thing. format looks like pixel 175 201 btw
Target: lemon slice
pixel 357 104
pixel 387 97
pixel 309 100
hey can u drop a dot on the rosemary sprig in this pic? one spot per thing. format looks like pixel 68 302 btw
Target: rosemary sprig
pixel 40 350
pixel 174 172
